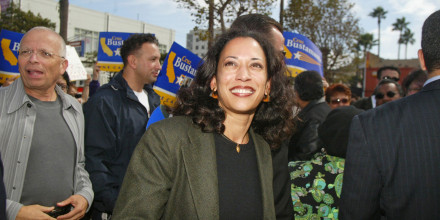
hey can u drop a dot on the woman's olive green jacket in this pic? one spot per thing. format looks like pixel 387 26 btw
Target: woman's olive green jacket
pixel 173 174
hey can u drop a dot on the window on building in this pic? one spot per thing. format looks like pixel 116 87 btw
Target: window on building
pixel 90 39
pixel 163 48
pixel 197 47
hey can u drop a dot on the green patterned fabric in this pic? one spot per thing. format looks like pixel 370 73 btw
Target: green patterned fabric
pixel 316 186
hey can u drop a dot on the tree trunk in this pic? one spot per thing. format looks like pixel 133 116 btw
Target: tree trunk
pixel 378 45
pixel 325 51
pixel 64 15
pixel 281 12
pixel 211 24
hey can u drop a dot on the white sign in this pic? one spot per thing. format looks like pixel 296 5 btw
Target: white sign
pixel 75 69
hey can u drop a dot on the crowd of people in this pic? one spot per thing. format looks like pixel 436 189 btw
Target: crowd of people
pixel 243 141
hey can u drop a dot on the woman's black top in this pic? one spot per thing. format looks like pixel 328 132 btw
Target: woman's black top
pixel 238 180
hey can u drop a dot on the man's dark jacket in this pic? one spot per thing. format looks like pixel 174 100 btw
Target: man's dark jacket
pixel 393 160
pixel 305 142
pixel 115 121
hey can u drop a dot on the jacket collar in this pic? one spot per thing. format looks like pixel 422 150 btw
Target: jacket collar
pixel 432 85
pixel 310 106
pixel 200 162
pixel 19 97
pixel 121 83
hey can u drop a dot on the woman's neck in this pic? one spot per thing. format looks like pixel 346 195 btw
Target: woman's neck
pixel 237 127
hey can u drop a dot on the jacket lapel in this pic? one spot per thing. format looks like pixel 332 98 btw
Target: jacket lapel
pixel 201 166
pixel 200 162
pixel 265 170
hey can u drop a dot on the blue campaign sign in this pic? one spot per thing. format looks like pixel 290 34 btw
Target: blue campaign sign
pixel 10 44
pixel 178 69
pixel 301 54
pixel 109 50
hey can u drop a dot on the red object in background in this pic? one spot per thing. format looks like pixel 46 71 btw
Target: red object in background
pixel 371 78
pixel 374 63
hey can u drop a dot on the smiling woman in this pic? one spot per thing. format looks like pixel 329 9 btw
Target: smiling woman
pixel 212 160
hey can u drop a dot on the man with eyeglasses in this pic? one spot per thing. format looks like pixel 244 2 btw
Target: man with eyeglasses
pixel 386 91
pixel 42 136
pixel 385 72
pixel 388 72
pixel 392 168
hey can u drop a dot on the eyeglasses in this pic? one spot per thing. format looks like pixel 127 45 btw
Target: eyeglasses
pixel 392 78
pixel 337 101
pixel 381 95
pixel 40 53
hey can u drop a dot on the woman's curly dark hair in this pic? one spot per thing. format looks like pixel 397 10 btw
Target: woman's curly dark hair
pixel 272 120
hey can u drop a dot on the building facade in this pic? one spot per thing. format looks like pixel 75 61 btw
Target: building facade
pixel 196 45
pixel 84 24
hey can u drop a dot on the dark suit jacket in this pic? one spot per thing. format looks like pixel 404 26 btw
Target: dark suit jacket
pixel 305 142
pixel 393 160
pixel 173 174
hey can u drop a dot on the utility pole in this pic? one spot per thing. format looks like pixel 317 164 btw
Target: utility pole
pixel 64 15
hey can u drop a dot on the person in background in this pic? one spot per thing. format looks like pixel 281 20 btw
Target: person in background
pixel 386 91
pixel 212 159
pixel 338 95
pixel 42 136
pixel 64 82
pixel 309 95
pixel 393 157
pixel 317 183
pixel 413 83
pixel 388 72
pixel 116 117
pixel 385 72
pixel 94 84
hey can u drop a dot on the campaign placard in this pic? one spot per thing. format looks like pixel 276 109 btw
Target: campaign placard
pixel 10 44
pixel 301 54
pixel 179 69
pixel 109 50
pixel 75 69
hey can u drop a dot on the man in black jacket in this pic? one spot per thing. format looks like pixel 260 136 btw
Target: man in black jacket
pixel 116 118
pixel 309 93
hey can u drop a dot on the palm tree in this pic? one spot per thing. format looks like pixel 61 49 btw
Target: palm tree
pixel 378 13
pixel 365 42
pixel 400 25
pixel 407 37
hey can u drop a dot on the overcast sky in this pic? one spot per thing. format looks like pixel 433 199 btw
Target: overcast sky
pixel 165 13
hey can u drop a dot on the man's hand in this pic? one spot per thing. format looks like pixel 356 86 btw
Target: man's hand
pixel 80 205
pixel 9 81
pixel 34 212
pixel 96 70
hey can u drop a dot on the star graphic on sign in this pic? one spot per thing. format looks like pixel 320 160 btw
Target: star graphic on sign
pixel 297 55
pixel 180 79
pixel 118 52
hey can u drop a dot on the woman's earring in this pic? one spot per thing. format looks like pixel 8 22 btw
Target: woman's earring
pixel 214 94
pixel 266 98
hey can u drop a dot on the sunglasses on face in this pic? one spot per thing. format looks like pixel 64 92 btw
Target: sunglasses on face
pixel 381 95
pixel 337 101
pixel 392 78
